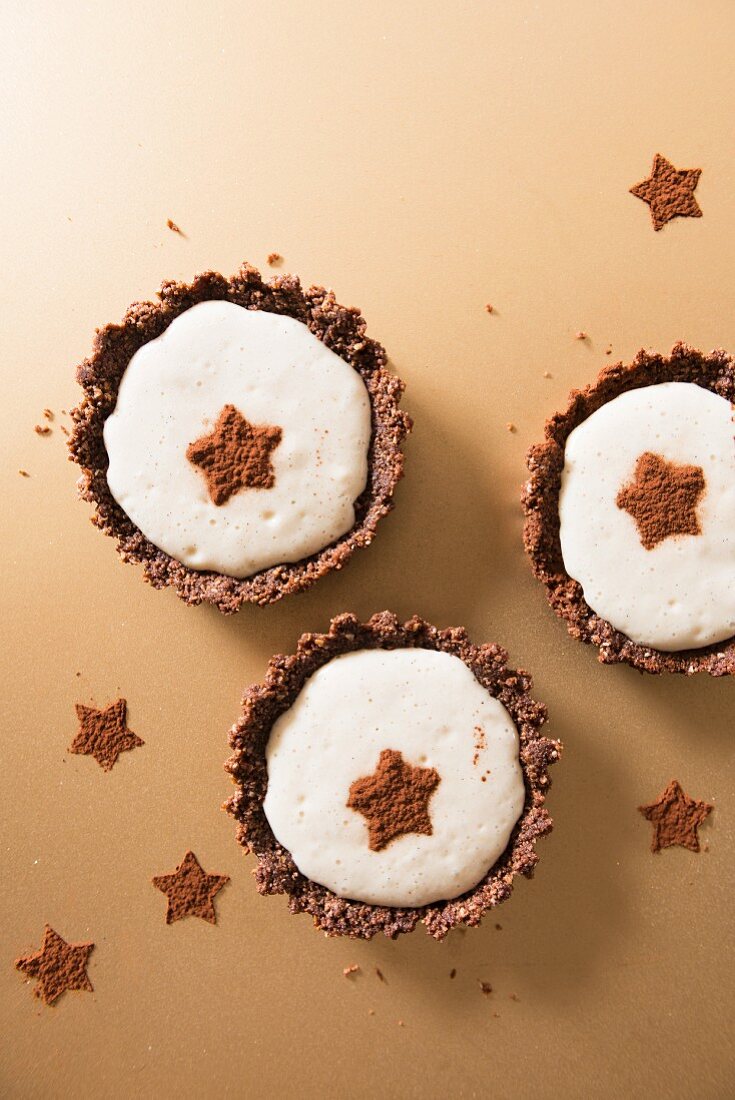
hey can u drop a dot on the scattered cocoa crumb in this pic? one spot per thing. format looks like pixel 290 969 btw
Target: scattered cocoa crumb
pixel 609 351
pixel 371 1012
pixel 401 1023
pixel 547 374
pixel 453 972
pixel 580 335
pixel 42 429
pixel 510 426
pixel 64 412
pixel 77 674
pixel 24 473
pixel 496 1015
pixel 485 987
pixel 48 414
pixel 63 429
pixel 488 308
pixel 499 927
pixel 174 228
pixel 514 997
pixel 353 969
pixel 274 258
pixel 380 974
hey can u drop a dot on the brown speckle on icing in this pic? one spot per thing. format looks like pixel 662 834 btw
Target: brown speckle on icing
pixel 235 455
pixel 340 328
pixel 662 499
pixel 394 800
pixel 714 372
pixel 263 703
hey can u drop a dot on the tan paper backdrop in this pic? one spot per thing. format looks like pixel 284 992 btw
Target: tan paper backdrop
pixel 423 159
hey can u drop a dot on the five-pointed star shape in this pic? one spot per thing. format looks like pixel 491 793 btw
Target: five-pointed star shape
pixel 394 799
pixel 57 965
pixel 190 891
pixel 103 734
pixel 675 818
pixel 236 455
pixel 668 192
pixel 662 499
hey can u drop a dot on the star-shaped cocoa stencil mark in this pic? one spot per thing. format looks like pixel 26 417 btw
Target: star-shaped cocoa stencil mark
pixel 668 192
pixel 394 799
pixel 663 499
pixel 104 734
pixel 57 966
pixel 675 818
pixel 235 456
pixel 190 891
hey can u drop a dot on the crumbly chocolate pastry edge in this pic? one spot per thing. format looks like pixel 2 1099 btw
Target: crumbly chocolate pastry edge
pixel 540 497
pixel 276 872
pixel 341 328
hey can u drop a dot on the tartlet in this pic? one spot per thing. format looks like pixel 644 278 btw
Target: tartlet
pixel 339 329
pixel 267 703
pixel 666 500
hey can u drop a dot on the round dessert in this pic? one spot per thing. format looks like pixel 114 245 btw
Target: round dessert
pixel 239 439
pixel 630 513
pixel 389 774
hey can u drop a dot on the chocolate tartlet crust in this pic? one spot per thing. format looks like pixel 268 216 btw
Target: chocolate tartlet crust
pixel 715 372
pixel 340 328
pixel 276 873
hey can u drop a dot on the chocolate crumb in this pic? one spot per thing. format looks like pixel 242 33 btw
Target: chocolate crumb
pixel 380 974
pixel 349 970
pixel 514 997
pixel 488 308
pixel 174 228
pixel 401 1023
pixel 42 429
pixel 64 429
pixel 547 374
pixel 453 972
pixel 580 335
pixel 24 473
pixel 48 414
pixel 485 987
pixel 498 928
pixel 371 1012
pixel 274 258
pixel 510 426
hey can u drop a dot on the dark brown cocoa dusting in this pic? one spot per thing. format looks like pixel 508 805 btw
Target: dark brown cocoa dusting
pixel 394 800
pixel 668 192
pixel 190 891
pixel 715 372
pixel 236 455
pixel 663 499
pixel 58 966
pixel 340 328
pixel 104 734
pixel 263 703
pixel 675 818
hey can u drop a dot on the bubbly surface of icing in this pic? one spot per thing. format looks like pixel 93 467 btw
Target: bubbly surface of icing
pixel 275 372
pixel 429 707
pixel 681 593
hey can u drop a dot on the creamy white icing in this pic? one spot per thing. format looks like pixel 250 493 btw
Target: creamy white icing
pixel 681 593
pixel 429 707
pixel 275 372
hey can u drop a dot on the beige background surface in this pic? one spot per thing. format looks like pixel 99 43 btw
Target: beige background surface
pixel 423 159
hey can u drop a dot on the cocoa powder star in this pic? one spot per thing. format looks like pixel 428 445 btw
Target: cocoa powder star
pixel 668 192
pixel 235 456
pixel 394 799
pixel 663 499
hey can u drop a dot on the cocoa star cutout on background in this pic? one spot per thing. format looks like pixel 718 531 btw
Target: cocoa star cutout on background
pixel 103 734
pixel 668 192
pixel 662 499
pixel 675 818
pixel 57 965
pixel 190 891
pixel 394 799
pixel 236 455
